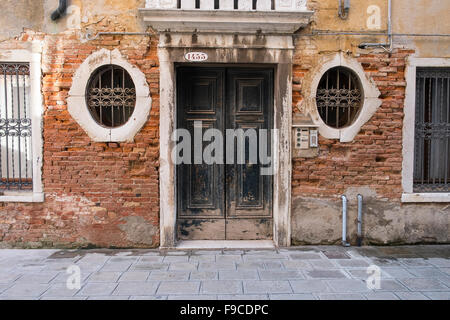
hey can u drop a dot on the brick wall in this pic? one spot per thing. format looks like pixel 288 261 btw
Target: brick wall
pixel 97 194
pixel 370 165
pixel 107 194
pixel 374 157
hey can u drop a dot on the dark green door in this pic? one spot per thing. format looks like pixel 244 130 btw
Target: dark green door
pixel 229 200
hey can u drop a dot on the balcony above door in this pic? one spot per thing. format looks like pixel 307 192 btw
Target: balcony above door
pixel 227 16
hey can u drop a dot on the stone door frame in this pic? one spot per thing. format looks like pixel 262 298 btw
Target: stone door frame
pixel 276 51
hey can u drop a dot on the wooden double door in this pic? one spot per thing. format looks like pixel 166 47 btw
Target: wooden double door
pixel 232 199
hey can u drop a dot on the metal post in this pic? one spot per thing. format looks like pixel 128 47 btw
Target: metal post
pixel 344 222
pixel 359 232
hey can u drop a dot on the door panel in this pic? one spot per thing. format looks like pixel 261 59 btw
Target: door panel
pixel 249 229
pixel 201 229
pixel 249 106
pixel 232 201
pixel 201 182
pixel 200 186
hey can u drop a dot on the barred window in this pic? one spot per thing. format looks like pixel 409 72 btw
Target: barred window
pixel 111 96
pixel 339 97
pixel 432 131
pixel 15 127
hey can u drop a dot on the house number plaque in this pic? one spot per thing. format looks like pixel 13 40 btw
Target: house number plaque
pixel 196 56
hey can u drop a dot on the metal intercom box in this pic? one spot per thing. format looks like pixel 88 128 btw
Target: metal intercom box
pixel 305 137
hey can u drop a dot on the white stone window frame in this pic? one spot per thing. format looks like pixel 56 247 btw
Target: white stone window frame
pixel 408 131
pixel 78 109
pixel 32 55
pixel 370 94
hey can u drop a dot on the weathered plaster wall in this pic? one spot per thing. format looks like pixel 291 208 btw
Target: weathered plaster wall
pixel 411 17
pixel 423 16
pixel 319 221
pixel 30 14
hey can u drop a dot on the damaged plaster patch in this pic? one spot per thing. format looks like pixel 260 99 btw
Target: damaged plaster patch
pixel 138 230
pixel 319 221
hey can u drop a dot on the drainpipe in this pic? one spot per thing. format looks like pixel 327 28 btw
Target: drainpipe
pixel 344 8
pixel 390 24
pixel 58 13
pixel 359 233
pixel 344 222
pixel 383 45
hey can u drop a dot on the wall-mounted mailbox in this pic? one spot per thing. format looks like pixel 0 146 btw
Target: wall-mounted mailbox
pixel 305 137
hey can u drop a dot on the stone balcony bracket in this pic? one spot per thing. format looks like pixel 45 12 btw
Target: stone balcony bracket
pixel 287 16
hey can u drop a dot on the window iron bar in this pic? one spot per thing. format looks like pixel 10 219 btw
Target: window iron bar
pixel 111 96
pixel 432 131
pixel 15 127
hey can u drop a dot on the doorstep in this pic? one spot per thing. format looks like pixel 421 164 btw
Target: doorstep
pixel 225 244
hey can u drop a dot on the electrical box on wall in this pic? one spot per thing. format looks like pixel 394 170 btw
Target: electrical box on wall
pixel 305 137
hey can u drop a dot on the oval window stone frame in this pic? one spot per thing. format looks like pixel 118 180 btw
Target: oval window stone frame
pixel 370 103
pixel 78 109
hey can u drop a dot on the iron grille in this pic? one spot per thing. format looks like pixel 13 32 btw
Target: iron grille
pixel 15 127
pixel 432 131
pixel 339 97
pixel 111 96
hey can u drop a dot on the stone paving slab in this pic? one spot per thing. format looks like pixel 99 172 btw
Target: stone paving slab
pixel 179 287
pixel 297 273
pixel 221 287
pixel 109 298
pixel 60 290
pixel 341 296
pixel 183 266
pixel 97 289
pixel 438 295
pixel 348 285
pixel 148 298
pixel 295 296
pixel 325 274
pixel 204 275
pixel 192 297
pixel 309 286
pixel 424 284
pixel 25 290
pixel 149 266
pixel 407 295
pixel 136 288
pixel 169 275
pixel 238 275
pixel 243 297
pixel 391 285
pixel 381 296
pixel 63 298
pixel 280 275
pixel 104 276
pixel 134 276
pixel 263 286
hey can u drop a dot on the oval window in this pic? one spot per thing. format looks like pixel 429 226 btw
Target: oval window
pixel 111 96
pixel 339 97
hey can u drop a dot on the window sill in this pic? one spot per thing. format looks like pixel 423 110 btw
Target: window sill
pixel 22 197
pixel 425 197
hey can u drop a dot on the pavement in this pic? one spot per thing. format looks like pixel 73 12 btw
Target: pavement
pixel 296 273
